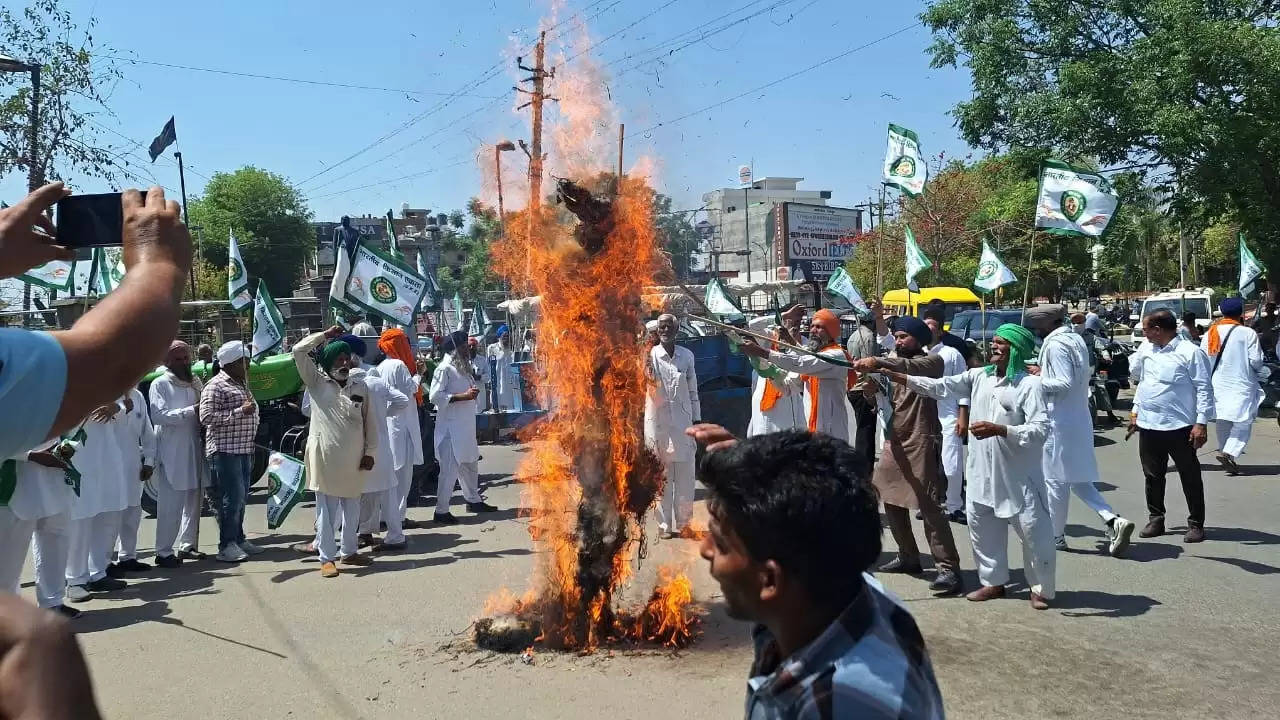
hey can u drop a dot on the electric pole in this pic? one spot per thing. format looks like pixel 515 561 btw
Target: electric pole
pixel 537 96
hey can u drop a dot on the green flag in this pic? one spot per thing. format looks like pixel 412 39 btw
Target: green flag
pixel 719 303
pixel 382 284
pixel 392 241
pixel 1250 268
pixel 916 260
pixel 840 286
pixel 1073 201
pixel 268 325
pixel 904 168
pixel 237 278
pixel 992 273
pixel 286 485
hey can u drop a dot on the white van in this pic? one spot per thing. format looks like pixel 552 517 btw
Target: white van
pixel 1178 301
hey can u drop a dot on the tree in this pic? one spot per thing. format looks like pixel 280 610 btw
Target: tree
pixel 475 275
pixel 271 222
pixel 1186 88
pixel 677 235
pixel 940 217
pixel 75 79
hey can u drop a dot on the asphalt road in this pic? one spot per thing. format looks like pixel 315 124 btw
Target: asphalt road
pixel 1172 631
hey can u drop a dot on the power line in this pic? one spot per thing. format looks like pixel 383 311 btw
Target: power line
pixel 391 180
pixel 279 78
pixel 675 39
pixel 139 145
pixel 701 37
pixel 616 33
pixel 784 78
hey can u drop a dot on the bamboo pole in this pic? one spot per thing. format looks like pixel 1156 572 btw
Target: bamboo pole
pixel 1026 293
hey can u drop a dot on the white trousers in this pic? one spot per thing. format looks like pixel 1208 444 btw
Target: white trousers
pixel 127 545
pixel 675 510
pixel 452 474
pixel 177 518
pixel 15 538
pixel 990 537
pixel 1060 502
pixel 89 545
pixel 1233 436
pixel 404 483
pixel 953 465
pixel 49 553
pixel 330 510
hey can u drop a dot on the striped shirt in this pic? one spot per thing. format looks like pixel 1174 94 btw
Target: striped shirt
pixel 870 663
pixel 228 430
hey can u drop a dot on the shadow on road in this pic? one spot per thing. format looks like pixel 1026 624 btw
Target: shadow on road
pixel 1244 536
pixel 1250 566
pixel 1104 604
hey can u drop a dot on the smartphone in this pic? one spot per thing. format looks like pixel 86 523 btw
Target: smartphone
pixel 86 221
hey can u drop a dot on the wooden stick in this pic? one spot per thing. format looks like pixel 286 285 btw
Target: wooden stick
pixel 779 343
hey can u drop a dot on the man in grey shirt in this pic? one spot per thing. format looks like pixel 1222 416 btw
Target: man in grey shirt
pixel 863 344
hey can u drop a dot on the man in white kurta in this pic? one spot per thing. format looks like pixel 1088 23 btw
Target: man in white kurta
pixel 1069 462
pixel 382 487
pixel 1235 359
pixel 671 406
pixel 480 368
pixel 1004 474
pixel 95 513
pixel 137 456
pixel 180 468
pixel 454 392
pixel 826 384
pixel 777 396
pixel 40 506
pixel 403 427
pixel 502 357
pixel 341 441
pixel 953 413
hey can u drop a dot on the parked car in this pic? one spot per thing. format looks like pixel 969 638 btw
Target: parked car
pixel 967 325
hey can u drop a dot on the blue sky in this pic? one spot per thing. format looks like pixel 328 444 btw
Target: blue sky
pixel 826 125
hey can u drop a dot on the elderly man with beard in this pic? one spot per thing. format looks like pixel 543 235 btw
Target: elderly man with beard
pixel 671 406
pixel 908 473
pixel 1069 462
pixel 826 384
pixel 341 441
pixel 454 393
pixel 1004 474
pixel 179 472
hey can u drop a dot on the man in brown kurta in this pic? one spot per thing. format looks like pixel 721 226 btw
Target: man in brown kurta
pixel 908 474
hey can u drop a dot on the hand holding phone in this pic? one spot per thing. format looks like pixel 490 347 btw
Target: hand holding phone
pixel 91 220
pixel 26 234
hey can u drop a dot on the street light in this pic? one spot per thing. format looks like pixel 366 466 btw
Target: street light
pixel 504 146
pixel 34 176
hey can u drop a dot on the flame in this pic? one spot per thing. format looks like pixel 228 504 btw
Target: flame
pixel 588 480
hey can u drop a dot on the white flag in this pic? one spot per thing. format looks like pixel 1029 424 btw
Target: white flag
pixel 459 315
pixel 286 484
pixel 840 286
pixel 1250 268
pixel 992 273
pixel 904 168
pixel 916 260
pixel 384 285
pixel 1075 202
pixel 719 303
pixel 338 286
pixel 53 275
pixel 268 325
pixel 237 278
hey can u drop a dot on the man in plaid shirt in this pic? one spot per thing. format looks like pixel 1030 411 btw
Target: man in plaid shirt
pixel 794 525
pixel 230 418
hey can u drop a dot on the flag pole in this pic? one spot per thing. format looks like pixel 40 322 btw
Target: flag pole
pixel 182 185
pixel 1031 254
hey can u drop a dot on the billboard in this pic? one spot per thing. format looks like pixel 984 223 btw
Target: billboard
pixel 815 239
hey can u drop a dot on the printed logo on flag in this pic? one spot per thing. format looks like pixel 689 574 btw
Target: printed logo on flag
pixel 383 290
pixel 1073 205
pixel 987 270
pixel 904 166
pixel 236 269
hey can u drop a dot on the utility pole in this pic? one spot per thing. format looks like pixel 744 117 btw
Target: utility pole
pixel 537 96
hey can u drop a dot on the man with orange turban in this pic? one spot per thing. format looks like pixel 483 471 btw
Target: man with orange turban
pixel 826 384
pixel 402 426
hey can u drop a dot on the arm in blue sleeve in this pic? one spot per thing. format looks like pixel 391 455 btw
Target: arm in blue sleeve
pixel 33 378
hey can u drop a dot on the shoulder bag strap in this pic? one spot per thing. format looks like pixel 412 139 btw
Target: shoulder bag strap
pixel 1218 358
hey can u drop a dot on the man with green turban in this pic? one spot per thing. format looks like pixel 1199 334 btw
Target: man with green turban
pixel 1004 478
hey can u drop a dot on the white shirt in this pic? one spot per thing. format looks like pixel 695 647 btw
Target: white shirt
pixel 671 404
pixel 40 492
pixel 1236 392
pixel 406 431
pixel 455 421
pixel 952 364
pixel 1064 378
pixel 179 449
pixel 137 445
pixel 384 402
pixel 998 470
pixel 502 358
pixel 1173 385
pixel 834 413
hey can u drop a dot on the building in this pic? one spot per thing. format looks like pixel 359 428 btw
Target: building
pixel 741 214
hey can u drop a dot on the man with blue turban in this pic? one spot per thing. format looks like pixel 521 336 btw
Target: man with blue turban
pixel 909 472
pixel 1235 354
pixel 1004 477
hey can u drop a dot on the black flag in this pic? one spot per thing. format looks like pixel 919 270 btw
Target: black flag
pixel 166 138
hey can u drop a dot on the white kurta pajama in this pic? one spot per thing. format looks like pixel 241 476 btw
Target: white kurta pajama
pixel 1069 461
pixel 383 485
pixel 455 438
pixel 339 435
pixel 405 433
pixel 40 506
pixel 480 367
pixel 180 462
pixel 834 413
pixel 789 411
pixel 104 494
pixel 1004 476
pixel 504 382
pixel 948 415
pixel 671 406
pixel 1236 389
pixel 137 448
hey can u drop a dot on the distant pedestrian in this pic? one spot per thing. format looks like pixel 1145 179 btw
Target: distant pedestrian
pixel 1171 407
pixel 1188 330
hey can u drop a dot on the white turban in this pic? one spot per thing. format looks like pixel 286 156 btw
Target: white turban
pixel 231 352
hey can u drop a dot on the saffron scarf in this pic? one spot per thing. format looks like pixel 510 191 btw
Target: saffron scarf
pixel 1215 340
pixel 812 383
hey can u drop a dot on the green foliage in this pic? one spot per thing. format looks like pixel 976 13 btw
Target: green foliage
pixel 475 275
pixel 75 79
pixel 1187 87
pixel 677 235
pixel 270 220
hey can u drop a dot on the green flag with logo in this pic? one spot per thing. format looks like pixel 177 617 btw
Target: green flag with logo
pixel 719 303
pixel 840 287
pixel 382 284
pixel 992 273
pixel 904 168
pixel 286 484
pixel 237 277
pixel 915 260
pixel 1250 268
pixel 1073 201
pixel 268 325
pixel 392 241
